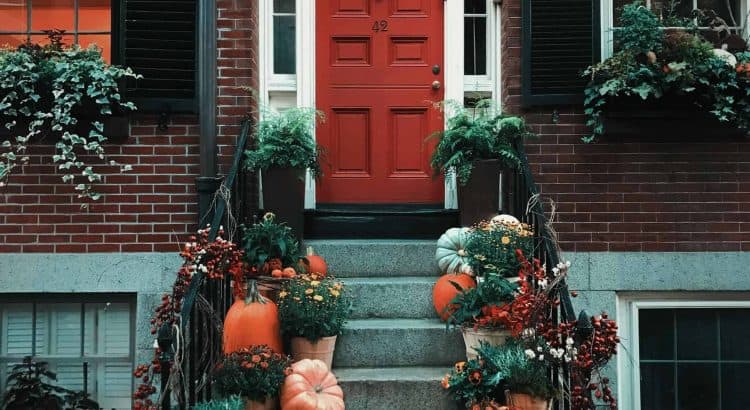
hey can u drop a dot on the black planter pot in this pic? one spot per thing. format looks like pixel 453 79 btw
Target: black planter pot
pixel 480 197
pixel 284 195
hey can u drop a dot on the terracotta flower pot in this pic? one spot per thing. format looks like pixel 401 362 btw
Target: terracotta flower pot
pixel 268 404
pixel 322 349
pixel 472 337
pixel 480 197
pixel 284 195
pixel 524 401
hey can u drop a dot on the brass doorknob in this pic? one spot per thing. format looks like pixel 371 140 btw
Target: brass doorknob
pixel 436 85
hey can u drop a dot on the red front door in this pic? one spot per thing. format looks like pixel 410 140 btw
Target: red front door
pixel 379 72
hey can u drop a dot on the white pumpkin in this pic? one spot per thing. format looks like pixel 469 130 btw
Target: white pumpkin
pixel 451 255
pixel 505 219
pixel 725 55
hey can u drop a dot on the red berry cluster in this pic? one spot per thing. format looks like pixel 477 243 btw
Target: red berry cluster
pixel 593 354
pixel 215 260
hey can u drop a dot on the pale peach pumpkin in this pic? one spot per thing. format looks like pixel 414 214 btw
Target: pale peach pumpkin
pixel 311 386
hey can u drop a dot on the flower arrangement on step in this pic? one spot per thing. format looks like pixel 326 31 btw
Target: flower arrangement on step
pixel 313 310
pixel 271 248
pixel 492 245
pixel 256 373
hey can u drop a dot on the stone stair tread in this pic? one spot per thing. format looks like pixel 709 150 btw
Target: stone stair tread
pixel 386 280
pixel 396 323
pixel 384 374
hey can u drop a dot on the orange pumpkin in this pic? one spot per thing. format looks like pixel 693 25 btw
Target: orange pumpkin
pixel 277 273
pixel 311 386
pixel 289 273
pixel 314 263
pixel 252 321
pixel 444 292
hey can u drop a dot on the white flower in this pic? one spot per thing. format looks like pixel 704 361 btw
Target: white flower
pixel 567 264
pixel 556 271
pixel 187 245
pixel 539 349
pixel 541 357
pixel 543 283
pixel 530 353
pixel 569 341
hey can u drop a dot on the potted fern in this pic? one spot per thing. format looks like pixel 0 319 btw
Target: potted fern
pixel 284 150
pixel 476 145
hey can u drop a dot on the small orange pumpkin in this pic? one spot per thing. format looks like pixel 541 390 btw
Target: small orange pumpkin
pixel 277 273
pixel 253 321
pixel 444 292
pixel 314 263
pixel 289 273
pixel 311 386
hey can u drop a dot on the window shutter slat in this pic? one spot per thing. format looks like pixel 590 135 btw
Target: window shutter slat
pixel 159 42
pixel 18 330
pixel 560 39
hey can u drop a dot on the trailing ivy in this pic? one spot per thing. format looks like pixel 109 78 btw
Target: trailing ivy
pixel 653 62
pixel 44 90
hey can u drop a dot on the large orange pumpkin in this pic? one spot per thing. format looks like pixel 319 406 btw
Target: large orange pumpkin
pixel 315 263
pixel 311 386
pixel 252 321
pixel 444 292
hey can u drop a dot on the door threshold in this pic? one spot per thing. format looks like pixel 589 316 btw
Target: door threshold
pixel 378 222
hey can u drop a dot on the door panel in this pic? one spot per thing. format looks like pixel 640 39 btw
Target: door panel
pixel 375 77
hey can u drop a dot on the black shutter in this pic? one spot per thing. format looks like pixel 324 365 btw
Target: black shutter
pixel 158 41
pixel 560 39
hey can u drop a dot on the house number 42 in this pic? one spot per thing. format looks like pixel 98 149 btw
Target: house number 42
pixel 380 25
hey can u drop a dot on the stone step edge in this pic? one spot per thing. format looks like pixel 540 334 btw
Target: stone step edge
pixel 389 374
pixel 397 323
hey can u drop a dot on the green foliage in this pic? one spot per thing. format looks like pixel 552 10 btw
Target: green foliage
pixel 255 373
pixel 491 248
pixel 285 139
pixel 508 364
pixel 231 403
pixel 654 63
pixel 475 134
pixel 43 93
pixel 641 29
pixel 471 382
pixel 491 290
pixel 29 386
pixel 313 307
pixel 268 240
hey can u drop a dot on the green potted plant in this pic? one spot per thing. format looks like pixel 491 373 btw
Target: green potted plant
pixel 270 246
pixel 230 403
pixel 492 247
pixel 476 145
pixel 483 312
pixel 313 309
pixel 672 81
pixel 65 94
pixel 284 150
pixel 256 374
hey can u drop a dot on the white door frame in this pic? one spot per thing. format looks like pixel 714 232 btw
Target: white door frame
pixel 453 63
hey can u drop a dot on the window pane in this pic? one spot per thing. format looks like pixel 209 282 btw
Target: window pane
pixel 52 14
pixel 734 386
pixel 17 329
pixel 697 334
pixel 735 334
pixel 69 374
pixel 13 15
pixel 698 387
pixel 656 333
pixel 42 39
pixel 657 386
pixel 12 40
pixel 62 334
pixel 475 6
pixel 284 45
pixel 94 15
pixel 475 46
pixel 617 6
pixel 721 9
pixel 111 337
pixel 283 6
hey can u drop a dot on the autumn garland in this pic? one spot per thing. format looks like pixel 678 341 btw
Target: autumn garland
pixel 215 260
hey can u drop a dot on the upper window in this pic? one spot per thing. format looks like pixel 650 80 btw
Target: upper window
pixel 66 334
pixel 693 358
pixel 475 37
pixel 675 12
pixel 284 37
pixel 85 22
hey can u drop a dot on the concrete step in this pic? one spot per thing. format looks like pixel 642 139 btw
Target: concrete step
pixel 377 257
pixel 398 342
pixel 408 297
pixel 394 388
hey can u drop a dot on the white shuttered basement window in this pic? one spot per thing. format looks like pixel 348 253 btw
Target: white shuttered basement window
pixel 68 334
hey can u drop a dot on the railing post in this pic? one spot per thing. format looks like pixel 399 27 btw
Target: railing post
pixel 164 340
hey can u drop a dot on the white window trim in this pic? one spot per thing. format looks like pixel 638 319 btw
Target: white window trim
pixel 607 22
pixel 486 83
pixel 270 81
pixel 628 306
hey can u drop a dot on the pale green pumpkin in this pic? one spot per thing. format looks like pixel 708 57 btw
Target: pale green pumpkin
pixel 451 255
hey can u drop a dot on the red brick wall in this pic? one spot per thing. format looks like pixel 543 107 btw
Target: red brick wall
pixel 154 206
pixel 634 196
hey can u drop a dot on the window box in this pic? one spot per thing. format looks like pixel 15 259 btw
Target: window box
pixel 667 118
pixel 116 126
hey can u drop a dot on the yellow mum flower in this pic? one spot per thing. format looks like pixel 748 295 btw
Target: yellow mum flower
pixel 283 294
pixel 314 283
pixel 505 240
pixel 309 291
pixel 318 298
pixel 337 286
pixel 335 292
